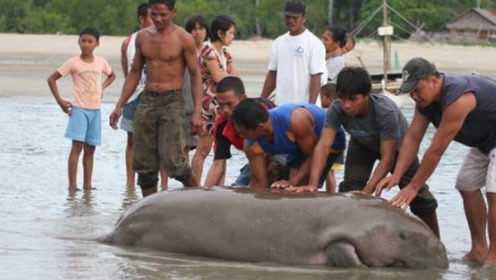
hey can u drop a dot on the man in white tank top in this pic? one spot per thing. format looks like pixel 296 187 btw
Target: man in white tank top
pixel 128 50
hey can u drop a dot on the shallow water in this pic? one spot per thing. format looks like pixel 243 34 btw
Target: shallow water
pixel 48 233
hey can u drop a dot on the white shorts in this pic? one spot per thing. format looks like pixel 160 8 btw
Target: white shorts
pixel 478 170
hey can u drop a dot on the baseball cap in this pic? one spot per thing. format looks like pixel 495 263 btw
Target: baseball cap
pixel 415 70
pixel 294 8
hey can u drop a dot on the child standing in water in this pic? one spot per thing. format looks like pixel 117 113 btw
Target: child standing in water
pixel 84 127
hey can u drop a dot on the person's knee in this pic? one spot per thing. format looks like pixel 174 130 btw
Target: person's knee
pixel 147 180
pixel 89 149
pixel 184 175
pixel 348 186
pixel 423 206
pixel 491 200
pixel 77 147
pixel 130 141
pixel 203 150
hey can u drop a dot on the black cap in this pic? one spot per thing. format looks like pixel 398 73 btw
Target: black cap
pixel 415 70
pixel 294 8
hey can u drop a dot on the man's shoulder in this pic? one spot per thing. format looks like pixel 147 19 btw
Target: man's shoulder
pixel 384 107
pixel 455 82
pixel 126 41
pixel 265 102
pixel 383 102
pixel 182 33
pixel 313 40
pixel 335 110
pixel 281 38
pixel 145 31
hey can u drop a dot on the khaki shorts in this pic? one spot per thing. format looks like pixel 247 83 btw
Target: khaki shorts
pixel 478 170
pixel 160 137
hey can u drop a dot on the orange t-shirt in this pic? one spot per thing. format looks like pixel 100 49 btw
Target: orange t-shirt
pixel 88 80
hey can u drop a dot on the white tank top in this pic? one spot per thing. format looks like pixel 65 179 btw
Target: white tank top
pixel 131 50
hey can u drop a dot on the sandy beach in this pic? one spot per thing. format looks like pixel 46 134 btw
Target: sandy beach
pixel 448 57
pixel 36 56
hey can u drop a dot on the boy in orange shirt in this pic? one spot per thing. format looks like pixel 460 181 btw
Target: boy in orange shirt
pixel 84 127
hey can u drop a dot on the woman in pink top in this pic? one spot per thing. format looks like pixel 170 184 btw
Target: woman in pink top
pixel 84 127
pixel 215 64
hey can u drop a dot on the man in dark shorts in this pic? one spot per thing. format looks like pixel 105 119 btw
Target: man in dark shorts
pixel 160 139
pixel 376 127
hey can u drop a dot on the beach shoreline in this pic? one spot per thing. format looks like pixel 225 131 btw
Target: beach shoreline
pixel 26 60
pixel 449 57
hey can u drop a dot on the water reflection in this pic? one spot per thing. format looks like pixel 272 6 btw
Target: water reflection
pixel 129 197
pixel 80 203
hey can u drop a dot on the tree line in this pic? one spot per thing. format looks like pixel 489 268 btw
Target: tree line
pixel 253 17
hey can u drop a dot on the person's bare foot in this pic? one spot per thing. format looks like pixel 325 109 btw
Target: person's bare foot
pixel 73 190
pixel 476 255
pixel 490 261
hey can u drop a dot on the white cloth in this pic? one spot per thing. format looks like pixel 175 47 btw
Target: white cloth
pixel 130 52
pixel 478 170
pixel 334 66
pixel 295 59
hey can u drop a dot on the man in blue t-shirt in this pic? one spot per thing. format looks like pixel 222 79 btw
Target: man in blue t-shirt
pixel 290 130
pixel 462 108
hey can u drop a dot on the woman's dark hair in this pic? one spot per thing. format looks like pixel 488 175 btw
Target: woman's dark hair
pixel 249 114
pixel 353 81
pixel 338 34
pixel 201 21
pixel 220 23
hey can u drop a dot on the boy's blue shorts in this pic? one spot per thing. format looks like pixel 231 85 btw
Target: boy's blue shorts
pixel 85 126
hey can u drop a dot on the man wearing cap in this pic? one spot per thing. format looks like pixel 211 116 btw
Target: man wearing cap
pixel 376 127
pixel 462 108
pixel 297 64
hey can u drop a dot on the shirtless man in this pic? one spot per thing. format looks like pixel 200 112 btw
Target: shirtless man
pixel 167 50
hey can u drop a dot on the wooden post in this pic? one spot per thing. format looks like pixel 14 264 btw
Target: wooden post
pixel 257 20
pixel 330 12
pixel 387 43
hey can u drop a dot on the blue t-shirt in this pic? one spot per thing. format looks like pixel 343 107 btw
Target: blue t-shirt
pixel 281 121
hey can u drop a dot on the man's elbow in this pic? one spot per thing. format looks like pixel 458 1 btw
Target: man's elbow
pixel 51 81
pixel 322 149
pixel 436 151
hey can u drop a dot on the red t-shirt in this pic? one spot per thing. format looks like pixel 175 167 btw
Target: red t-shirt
pixel 226 135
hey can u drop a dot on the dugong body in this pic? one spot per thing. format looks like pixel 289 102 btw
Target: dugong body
pixel 334 230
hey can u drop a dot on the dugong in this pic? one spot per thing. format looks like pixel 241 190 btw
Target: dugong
pixel 296 229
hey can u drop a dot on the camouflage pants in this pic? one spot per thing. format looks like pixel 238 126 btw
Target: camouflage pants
pixel 160 137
